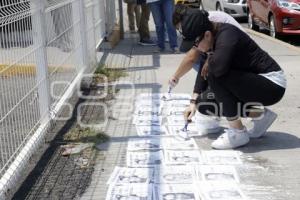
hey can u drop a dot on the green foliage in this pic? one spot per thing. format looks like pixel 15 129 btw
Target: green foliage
pixel 85 135
pixel 111 74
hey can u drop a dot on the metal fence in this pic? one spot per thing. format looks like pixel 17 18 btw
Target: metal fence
pixel 45 47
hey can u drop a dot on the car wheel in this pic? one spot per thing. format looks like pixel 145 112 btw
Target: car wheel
pixel 218 7
pixel 272 27
pixel 251 23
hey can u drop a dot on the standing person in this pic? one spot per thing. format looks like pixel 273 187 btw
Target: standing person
pixel 134 14
pixel 238 72
pixel 162 11
pixel 143 27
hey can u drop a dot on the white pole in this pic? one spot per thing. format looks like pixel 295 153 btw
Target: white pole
pixel 39 40
pixel 78 12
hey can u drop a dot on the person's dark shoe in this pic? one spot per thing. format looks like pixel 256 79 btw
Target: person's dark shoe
pixel 175 50
pixel 147 42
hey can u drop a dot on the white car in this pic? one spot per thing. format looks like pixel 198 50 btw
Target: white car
pixel 236 8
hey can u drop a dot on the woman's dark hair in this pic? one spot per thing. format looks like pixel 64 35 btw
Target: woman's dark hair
pixel 181 10
pixel 194 22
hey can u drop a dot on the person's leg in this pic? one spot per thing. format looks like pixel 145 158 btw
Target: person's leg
pixel 166 34
pixel 207 104
pixel 261 90
pixel 158 16
pixel 168 9
pixel 144 26
pixel 137 11
pixel 238 88
pixel 130 13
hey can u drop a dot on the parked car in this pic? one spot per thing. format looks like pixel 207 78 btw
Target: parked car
pixel 191 3
pixel 281 17
pixel 236 8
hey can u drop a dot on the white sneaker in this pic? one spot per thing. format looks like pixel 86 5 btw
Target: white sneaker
pixel 232 138
pixel 207 124
pixel 261 126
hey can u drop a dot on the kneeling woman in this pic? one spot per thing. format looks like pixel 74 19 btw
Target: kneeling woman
pixel 239 76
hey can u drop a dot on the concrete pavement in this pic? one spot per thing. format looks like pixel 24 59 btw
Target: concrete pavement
pixel 270 164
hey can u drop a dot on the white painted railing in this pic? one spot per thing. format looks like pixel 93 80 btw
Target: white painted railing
pixel 45 48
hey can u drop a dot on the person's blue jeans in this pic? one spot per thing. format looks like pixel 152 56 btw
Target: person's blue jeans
pixel 162 12
pixel 197 66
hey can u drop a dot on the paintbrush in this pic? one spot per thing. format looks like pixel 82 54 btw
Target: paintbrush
pixel 169 93
pixel 183 133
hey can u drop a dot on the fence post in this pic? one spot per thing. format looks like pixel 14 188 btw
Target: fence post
pixel 39 40
pixel 80 32
pixel 110 16
pixel 121 19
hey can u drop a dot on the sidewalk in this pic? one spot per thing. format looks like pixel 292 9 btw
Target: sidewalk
pixel 270 165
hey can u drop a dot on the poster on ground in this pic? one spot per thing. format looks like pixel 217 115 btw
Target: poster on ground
pixel 149 96
pixel 178 120
pixel 177 104
pixel 125 176
pixel 175 130
pixel 220 191
pixel 155 130
pixel 150 120
pixel 217 173
pixel 130 192
pixel 176 111
pixel 178 174
pixel 173 157
pixel 226 157
pixel 145 144
pixel 177 144
pixel 175 192
pixel 144 158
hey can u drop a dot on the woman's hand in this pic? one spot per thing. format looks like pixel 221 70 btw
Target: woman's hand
pixel 204 71
pixel 173 81
pixel 190 112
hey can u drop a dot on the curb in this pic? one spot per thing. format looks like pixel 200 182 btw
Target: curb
pixel 261 35
pixel 28 70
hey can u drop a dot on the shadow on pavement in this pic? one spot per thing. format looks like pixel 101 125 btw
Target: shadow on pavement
pixel 272 141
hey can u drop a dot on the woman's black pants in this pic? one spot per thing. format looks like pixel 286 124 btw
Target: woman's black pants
pixel 236 93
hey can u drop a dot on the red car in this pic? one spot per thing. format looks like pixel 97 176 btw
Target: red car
pixel 281 17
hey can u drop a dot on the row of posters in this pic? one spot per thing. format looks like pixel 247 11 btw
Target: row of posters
pixel 162 167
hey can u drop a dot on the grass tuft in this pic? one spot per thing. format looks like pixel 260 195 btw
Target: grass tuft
pixel 111 74
pixel 85 135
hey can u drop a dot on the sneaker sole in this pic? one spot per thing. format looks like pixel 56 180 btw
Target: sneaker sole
pixel 268 124
pixel 226 148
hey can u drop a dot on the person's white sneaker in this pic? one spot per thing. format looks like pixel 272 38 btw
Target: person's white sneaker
pixel 207 124
pixel 232 138
pixel 261 126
